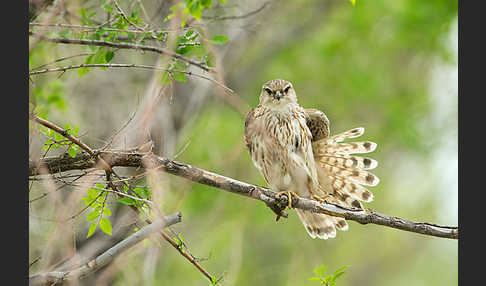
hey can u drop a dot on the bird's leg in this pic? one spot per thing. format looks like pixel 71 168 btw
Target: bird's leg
pixel 289 196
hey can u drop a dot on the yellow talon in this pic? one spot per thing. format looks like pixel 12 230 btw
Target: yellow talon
pixel 289 196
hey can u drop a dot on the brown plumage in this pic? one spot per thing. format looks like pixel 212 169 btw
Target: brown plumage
pixel 292 149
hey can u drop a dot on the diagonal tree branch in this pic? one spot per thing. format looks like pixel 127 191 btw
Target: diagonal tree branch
pixel 131 159
pixel 105 258
pixel 69 136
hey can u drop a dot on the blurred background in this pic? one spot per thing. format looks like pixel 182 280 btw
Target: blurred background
pixel 388 66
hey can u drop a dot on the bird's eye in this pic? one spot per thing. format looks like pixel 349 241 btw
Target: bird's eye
pixel 287 89
pixel 269 91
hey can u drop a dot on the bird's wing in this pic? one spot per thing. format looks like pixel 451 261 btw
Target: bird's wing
pixel 249 120
pixel 317 123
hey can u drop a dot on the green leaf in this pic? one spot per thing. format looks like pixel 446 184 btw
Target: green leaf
pixel 184 50
pixel 353 2
pixel 100 185
pixel 100 58
pixel 82 71
pixel 315 279
pixel 340 269
pixel 47 144
pixel 44 130
pixel 336 276
pixel 143 192
pixel 196 11
pixel 206 3
pixel 109 56
pixel 166 78
pixel 198 51
pixel 76 130
pixel 72 152
pixel 76 148
pixel 219 39
pixel 179 76
pixel 160 36
pixel 320 270
pixel 190 35
pixel 93 215
pixel 127 201
pixel 178 241
pixel 107 211
pixel 58 137
pixel 326 279
pixel 105 225
pixel 93 193
pixel 210 59
pixel 92 229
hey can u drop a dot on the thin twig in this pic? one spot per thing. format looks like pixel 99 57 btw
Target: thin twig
pixel 124 195
pixel 114 65
pixel 35 261
pixel 121 46
pixel 120 11
pixel 59 60
pixel 222 18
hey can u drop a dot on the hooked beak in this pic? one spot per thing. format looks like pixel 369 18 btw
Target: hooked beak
pixel 277 95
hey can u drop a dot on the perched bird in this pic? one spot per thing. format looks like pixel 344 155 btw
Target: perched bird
pixel 292 148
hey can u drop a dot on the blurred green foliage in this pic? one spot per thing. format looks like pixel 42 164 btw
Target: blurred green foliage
pixel 369 65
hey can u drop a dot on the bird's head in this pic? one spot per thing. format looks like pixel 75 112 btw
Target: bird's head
pixel 277 93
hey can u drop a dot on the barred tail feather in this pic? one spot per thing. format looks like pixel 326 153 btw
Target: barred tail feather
pixel 319 225
pixel 340 223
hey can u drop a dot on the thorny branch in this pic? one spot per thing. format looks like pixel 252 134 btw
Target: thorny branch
pixel 105 258
pixel 131 159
